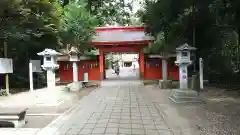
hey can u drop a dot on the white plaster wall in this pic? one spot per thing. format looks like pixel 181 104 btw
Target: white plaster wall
pixel 118 36
pixel 129 57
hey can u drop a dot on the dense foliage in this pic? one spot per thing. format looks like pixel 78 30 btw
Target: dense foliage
pixel 111 11
pixel 77 25
pixel 29 26
pixel 212 26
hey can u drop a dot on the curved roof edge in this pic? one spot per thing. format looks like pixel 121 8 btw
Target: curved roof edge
pixel 127 28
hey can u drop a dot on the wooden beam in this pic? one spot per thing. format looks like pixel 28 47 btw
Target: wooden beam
pixel 161 56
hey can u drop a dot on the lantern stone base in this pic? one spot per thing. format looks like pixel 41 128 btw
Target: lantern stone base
pixel 75 86
pixel 185 96
pixel 165 84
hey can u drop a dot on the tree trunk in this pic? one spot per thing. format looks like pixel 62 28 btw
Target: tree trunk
pixel 238 47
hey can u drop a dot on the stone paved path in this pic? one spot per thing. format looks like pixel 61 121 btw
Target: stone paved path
pixel 114 109
pixel 126 73
pixel 128 108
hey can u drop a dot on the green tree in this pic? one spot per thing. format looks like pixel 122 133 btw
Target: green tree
pixel 211 26
pixel 27 27
pixel 111 11
pixel 77 25
pixel 108 11
pixel 11 15
pixel 164 22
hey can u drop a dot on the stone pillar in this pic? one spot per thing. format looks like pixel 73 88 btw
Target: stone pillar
pixel 31 76
pixel 201 72
pixel 183 77
pixel 76 85
pixel 75 72
pixel 51 79
pixel 165 83
pixel 164 70
pixel 101 64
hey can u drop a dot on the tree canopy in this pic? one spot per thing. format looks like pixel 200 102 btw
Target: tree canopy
pixel 77 25
pixel 111 11
pixel 29 26
pixel 211 26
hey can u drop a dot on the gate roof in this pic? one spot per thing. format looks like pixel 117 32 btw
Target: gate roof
pixel 123 35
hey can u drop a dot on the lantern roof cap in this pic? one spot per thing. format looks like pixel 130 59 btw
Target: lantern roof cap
pixel 185 47
pixel 49 52
pixel 74 50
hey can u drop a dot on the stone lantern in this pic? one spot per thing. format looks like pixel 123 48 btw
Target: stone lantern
pixel 74 58
pixel 184 94
pixel 73 54
pixel 183 61
pixel 50 65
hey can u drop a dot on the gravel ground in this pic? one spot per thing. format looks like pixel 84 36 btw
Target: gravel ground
pixel 222 110
pixel 218 115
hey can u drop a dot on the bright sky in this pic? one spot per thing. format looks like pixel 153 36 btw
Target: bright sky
pixel 136 5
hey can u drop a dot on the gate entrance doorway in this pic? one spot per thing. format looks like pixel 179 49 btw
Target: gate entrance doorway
pixel 122 40
pixel 115 61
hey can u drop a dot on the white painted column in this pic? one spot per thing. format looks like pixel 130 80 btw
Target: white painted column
pixel 51 80
pixel 75 72
pixel 183 78
pixel 31 76
pixel 201 72
pixel 164 70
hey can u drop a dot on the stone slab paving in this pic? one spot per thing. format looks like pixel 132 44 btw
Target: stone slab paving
pixel 126 73
pixel 129 108
pixel 111 110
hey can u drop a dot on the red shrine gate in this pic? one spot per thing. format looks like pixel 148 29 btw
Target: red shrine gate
pixel 118 39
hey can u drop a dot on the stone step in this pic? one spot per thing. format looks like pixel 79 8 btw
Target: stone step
pixel 12 117
pixel 185 96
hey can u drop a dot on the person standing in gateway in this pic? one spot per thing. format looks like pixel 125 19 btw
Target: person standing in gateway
pixel 117 69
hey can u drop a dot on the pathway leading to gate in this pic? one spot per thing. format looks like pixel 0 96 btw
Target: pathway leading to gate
pixel 126 74
pixel 112 109
pixel 129 108
pixel 126 107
